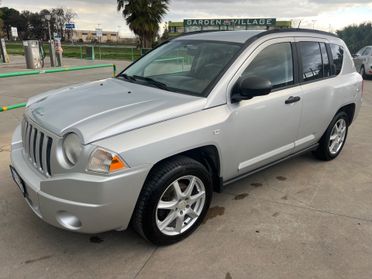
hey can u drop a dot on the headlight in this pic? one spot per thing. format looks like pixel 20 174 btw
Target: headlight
pixel 72 148
pixel 105 161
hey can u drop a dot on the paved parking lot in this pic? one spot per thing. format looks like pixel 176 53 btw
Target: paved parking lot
pixel 300 219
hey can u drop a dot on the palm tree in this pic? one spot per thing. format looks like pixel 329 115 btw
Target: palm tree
pixel 143 17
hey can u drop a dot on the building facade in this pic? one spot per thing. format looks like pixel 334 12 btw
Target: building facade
pixel 87 36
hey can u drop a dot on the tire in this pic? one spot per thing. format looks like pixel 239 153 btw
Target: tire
pixel 363 72
pixel 160 187
pixel 325 151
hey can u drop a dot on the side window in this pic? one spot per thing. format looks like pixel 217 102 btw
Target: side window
pixel 366 52
pixel 326 64
pixel 274 63
pixel 338 58
pixel 312 66
pixel 361 51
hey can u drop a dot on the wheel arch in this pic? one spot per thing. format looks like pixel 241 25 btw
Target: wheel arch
pixel 208 156
pixel 349 110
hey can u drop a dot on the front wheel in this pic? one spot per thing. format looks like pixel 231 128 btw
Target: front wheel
pixel 333 140
pixel 174 201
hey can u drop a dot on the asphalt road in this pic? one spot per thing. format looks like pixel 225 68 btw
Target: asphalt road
pixel 300 219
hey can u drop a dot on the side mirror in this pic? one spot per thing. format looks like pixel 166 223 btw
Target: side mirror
pixel 355 55
pixel 251 86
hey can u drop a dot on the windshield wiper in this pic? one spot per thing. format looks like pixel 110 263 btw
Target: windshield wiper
pixel 128 77
pixel 152 82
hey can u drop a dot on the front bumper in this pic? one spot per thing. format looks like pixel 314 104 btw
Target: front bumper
pixel 79 202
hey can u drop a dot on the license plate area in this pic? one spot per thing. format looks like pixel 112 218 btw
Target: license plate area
pixel 18 180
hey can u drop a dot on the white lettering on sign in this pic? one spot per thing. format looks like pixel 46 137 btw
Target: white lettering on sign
pixel 227 22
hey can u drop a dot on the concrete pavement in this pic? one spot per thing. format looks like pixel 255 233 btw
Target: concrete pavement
pixel 300 219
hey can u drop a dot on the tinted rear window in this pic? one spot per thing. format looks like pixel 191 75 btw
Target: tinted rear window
pixel 326 64
pixel 338 58
pixel 366 52
pixel 312 66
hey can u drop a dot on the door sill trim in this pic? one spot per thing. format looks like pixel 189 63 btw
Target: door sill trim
pixel 232 180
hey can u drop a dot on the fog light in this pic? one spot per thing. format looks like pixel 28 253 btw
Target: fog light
pixel 68 220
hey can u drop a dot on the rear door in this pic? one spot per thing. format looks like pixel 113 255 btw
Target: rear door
pixel 365 58
pixel 362 59
pixel 358 59
pixel 316 77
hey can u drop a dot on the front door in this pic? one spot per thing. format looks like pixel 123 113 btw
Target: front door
pixel 266 127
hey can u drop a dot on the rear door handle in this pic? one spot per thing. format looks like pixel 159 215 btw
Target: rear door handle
pixel 292 99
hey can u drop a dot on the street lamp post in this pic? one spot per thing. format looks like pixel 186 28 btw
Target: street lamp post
pixel 48 17
pixel 52 53
pixel 118 35
pixel 314 21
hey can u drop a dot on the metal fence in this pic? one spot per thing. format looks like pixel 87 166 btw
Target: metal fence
pixel 50 71
pixel 117 52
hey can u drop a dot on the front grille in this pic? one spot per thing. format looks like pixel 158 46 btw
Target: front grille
pixel 37 146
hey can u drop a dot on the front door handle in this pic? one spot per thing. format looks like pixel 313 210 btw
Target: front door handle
pixel 292 99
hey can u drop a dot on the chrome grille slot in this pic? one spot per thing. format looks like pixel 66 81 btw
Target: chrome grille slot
pixel 49 148
pixel 37 146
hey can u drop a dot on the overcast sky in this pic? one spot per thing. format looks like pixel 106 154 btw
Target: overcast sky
pixel 328 15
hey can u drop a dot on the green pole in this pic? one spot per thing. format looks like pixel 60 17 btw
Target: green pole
pixel 113 70
pixel 6 108
pixel 51 71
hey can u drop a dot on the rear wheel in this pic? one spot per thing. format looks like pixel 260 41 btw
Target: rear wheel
pixel 174 201
pixel 363 72
pixel 333 140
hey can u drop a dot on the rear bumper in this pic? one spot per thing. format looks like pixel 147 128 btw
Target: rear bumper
pixel 368 70
pixel 79 202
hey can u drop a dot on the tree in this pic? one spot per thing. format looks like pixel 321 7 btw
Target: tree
pixel 33 25
pixel 11 18
pixel 356 36
pixel 143 17
pixel 1 23
pixel 60 17
pixel 165 35
pixel 69 16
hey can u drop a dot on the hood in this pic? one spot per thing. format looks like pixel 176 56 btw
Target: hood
pixel 104 108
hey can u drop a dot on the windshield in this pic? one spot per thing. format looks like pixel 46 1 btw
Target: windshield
pixel 183 66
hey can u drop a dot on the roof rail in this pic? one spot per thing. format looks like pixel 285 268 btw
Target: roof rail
pixel 284 30
pixel 264 33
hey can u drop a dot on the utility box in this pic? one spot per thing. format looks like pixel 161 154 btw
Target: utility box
pixel 89 53
pixel 3 52
pixel 32 54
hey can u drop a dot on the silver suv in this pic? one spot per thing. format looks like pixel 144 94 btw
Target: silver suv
pixel 150 146
pixel 363 61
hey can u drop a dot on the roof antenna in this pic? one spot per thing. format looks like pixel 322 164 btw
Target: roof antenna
pixel 299 24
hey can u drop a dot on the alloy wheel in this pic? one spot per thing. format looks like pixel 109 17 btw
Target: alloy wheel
pixel 338 135
pixel 180 205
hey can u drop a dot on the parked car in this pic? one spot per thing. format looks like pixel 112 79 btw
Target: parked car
pixel 150 146
pixel 363 61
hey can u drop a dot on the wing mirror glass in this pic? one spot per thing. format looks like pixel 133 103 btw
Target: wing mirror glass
pixel 250 86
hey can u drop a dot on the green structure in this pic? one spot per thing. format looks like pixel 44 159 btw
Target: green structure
pixel 191 25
